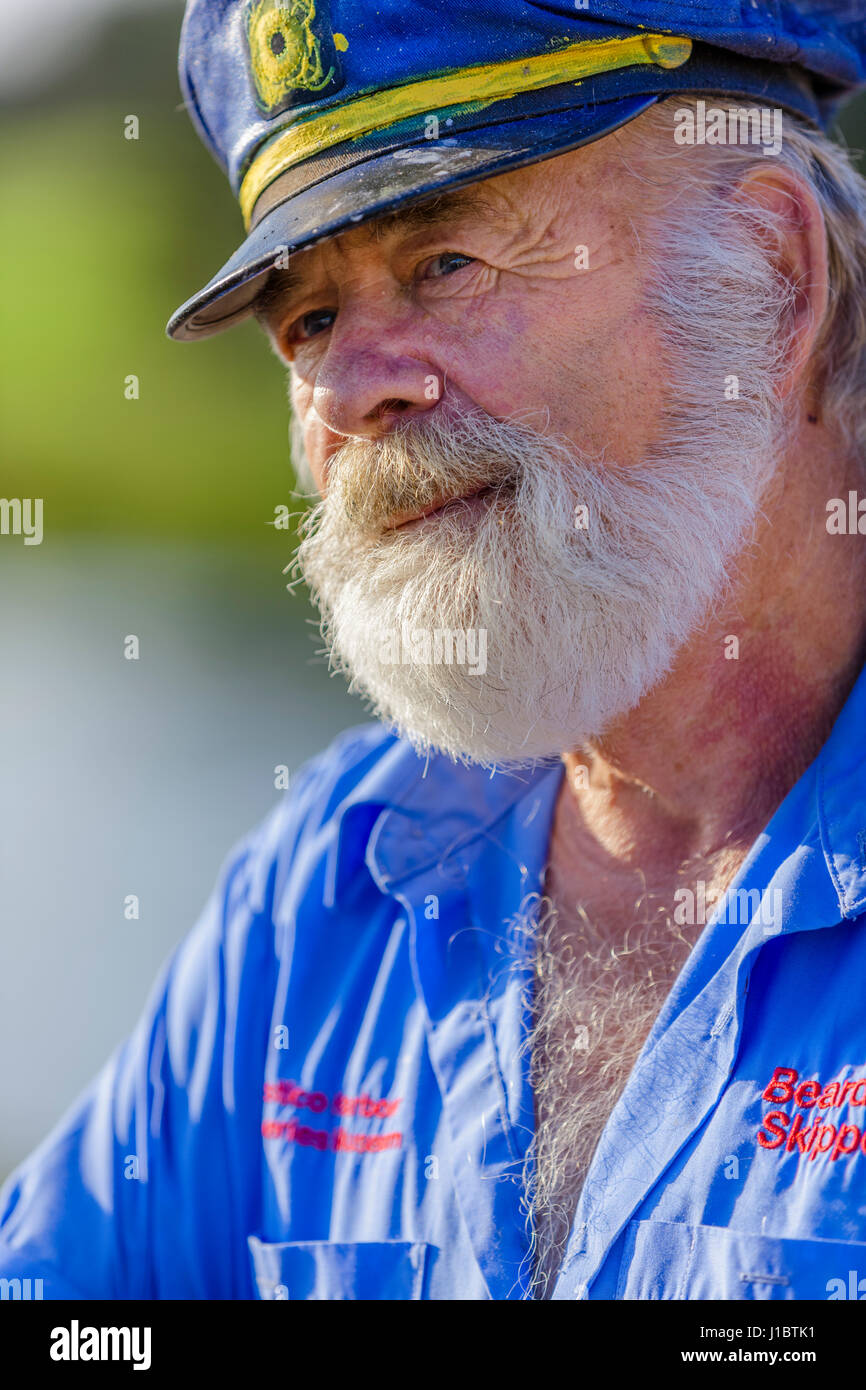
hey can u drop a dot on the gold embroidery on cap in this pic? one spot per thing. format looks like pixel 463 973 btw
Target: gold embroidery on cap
pixel 285 53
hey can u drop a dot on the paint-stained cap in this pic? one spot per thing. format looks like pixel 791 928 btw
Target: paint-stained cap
pixel 327 112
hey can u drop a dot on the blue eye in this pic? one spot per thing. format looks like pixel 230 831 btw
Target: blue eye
pixel 310 325
pixel 448 258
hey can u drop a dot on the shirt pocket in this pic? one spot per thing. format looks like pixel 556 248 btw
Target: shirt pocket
pixel 672 1260
pixel 334 1271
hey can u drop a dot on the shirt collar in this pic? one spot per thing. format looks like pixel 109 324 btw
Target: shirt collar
pixel 423 811
pixel 420 812
pixel 840 791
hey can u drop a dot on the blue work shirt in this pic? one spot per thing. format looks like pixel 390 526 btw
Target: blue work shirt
pixel 328 1093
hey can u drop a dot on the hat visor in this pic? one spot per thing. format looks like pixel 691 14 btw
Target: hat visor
pixel 381 183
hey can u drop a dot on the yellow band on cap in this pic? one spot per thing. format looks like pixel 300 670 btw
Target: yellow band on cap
pixel 476 86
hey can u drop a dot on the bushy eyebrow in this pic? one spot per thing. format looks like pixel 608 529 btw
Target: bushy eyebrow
pixel 428 212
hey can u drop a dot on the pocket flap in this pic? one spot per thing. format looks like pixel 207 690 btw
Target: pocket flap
pixel 672 1260
pixel 331 1270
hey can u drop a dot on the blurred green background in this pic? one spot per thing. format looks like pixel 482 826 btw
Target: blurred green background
pixel 100 238
pixel 125 777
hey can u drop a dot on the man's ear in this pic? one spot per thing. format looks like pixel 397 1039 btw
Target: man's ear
pixel 791 227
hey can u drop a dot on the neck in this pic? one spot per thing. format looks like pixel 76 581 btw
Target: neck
pixel 700 765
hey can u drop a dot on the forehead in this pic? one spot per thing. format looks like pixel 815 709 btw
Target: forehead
pixel 479 203
pixel 518 205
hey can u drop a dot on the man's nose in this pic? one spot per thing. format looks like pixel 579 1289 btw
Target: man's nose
pixel 375 373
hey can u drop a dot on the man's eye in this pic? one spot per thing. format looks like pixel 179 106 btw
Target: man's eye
pixel 311 324
pixel 445 264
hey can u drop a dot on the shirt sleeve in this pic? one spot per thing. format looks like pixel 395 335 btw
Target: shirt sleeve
pixel 150 1184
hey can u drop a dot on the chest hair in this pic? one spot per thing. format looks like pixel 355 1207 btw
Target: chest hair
pixel 598 990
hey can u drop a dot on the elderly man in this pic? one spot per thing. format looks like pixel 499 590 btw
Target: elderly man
pixel 545 985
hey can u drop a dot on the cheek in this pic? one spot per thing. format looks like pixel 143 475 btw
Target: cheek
pixel 492 359
pixel 612 392
pixel 597 368
pixel 587 367
pixel 317 440
pixel 300 390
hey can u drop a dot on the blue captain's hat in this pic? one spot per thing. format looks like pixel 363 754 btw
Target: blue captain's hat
pixel 327 112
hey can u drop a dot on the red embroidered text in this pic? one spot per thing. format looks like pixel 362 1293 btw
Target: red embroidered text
pixel 337 1140
pixel 812 1135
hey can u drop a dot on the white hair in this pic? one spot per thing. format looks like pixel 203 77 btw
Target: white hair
pixel 705 176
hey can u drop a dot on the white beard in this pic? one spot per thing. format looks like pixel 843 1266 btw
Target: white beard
pixel 576 624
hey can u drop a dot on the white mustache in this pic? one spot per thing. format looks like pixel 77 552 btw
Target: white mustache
pixel 419 465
